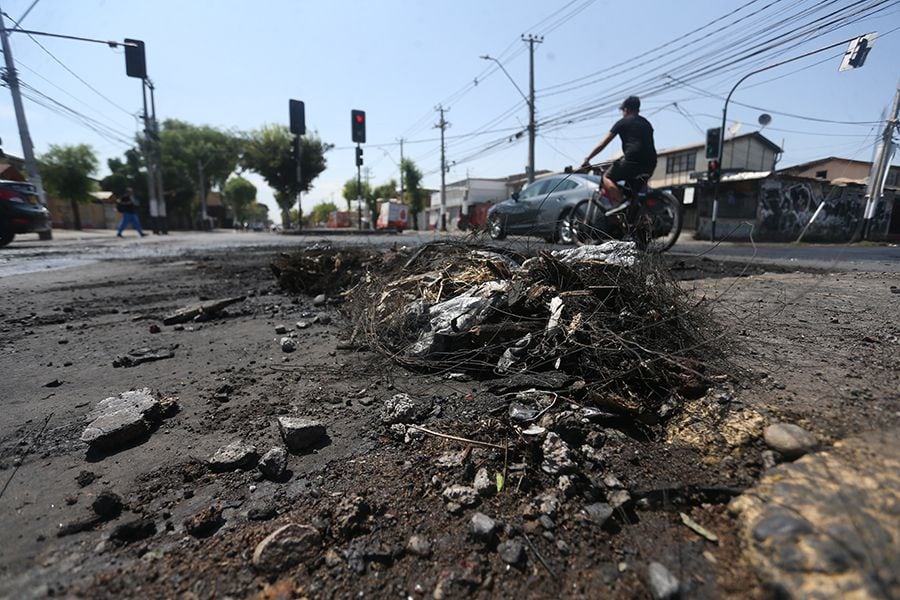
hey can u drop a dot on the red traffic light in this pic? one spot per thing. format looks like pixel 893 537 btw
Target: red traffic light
pixel 358 126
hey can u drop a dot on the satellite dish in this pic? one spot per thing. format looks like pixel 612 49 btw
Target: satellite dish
pixel 764 119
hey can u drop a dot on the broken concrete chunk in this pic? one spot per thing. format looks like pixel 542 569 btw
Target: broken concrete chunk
pixel 299 433
pixel 120 420
pixel 485 485
pixel 557 456
pixel 403 408
pixel 461 494
pixel 236 455
pixel 287 547
pixel 482 527
pixel 144 355
pixel 419 546
pixel 273 463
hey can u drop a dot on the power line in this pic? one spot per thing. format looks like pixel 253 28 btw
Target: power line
pixel 73 73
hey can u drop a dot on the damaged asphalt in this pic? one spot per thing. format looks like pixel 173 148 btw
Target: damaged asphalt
pixel 426 453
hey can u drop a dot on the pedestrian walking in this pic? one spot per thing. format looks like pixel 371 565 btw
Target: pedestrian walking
pixel 127 205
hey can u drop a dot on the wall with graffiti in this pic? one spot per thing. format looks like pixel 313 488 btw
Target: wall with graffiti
pixel 787 205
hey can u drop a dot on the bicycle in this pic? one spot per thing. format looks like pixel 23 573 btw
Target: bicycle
pixel 650 218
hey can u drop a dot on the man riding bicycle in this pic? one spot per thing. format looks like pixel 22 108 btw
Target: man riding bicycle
pixel 638 149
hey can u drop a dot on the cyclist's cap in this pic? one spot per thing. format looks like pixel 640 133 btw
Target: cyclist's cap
pixel 632 103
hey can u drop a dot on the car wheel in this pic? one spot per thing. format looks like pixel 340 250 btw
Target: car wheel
pixel 6 234
pixel 495 228
pixel 564 231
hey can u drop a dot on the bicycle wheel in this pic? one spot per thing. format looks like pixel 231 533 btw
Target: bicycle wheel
pixel 659 222
pixel 588 223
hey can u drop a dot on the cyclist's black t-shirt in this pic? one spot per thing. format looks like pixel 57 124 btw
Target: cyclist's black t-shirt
pixel 637 138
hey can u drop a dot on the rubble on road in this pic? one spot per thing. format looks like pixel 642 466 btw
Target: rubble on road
pixel 300 434
pixel 120 420
pixel 143 355
pixel 201 312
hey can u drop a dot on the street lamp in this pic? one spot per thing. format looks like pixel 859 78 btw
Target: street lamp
pixel 529 101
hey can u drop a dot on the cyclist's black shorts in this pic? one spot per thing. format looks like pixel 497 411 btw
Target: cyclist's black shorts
pixel 629 170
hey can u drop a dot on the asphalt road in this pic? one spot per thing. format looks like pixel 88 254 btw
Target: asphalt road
pixel 70 249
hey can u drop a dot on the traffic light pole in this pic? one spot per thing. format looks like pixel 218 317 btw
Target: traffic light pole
pixel 299 184
pixel 715 209
pixel 359 189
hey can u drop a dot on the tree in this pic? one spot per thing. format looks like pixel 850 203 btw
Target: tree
pixel 258 211
pixel 240 195
pixel 352 191
pixel 267 152
pixel 321 211
pixel 124 174
pixel 189 151
pixel 414 195
pixel 67 172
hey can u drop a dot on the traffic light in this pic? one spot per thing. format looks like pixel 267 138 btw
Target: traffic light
pixel 359 156
pixel 712 142
pixel 298 117
pixel 135 62
pixel 713 171
pixel 358 126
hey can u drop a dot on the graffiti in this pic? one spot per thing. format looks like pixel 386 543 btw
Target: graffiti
pixel 785 207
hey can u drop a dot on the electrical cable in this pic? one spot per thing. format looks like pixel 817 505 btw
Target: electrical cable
pixel 73 73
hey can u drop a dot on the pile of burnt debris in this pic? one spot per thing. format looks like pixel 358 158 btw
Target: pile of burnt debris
pixel 609 317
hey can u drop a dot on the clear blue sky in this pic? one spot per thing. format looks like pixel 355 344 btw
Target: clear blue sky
pixel 234 65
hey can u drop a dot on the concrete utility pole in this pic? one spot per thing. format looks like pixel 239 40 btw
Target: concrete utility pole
pixel 442 220
pixel 531 40
pixel 12 79
pixel 158 201
pixel 401 170
pixel 885 155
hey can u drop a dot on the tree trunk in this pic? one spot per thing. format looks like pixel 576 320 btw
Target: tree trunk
pixel 76 216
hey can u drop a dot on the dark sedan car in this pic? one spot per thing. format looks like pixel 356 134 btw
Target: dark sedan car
pixel 20 211
pixel 542 208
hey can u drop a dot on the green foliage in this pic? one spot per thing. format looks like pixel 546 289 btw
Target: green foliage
pixel 124 174
pixel 351 191
pixel 320 212
pixel 66 172
pixel 413 194
pixel 240 195
pixel 267 151
pixel 185 148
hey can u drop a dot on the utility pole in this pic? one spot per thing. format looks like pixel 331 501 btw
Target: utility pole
pixel 885 154
pixel 12 79
pixel 442 220
pixel 531 40
pixel 401 170
pixel 150 160
pixel 160 218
